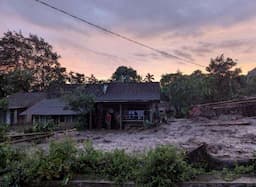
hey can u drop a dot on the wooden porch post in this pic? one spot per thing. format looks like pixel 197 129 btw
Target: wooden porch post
pixel 90 120
pixel 121 117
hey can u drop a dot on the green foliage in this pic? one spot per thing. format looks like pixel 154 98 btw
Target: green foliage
pixel 3 132
pixel 8 155
pixel 82 103
pixel 225 77
pixel 222 82
pixel 42 127
pixel 159 167
pixel 119 166
pixel 89 160
pixel 18 80
pixel 4 104
pixel 29 63
pixel 183 91
pixel 165 166
pixel 40 166
pixel 57 164
pixel 126 74
pixel 234 173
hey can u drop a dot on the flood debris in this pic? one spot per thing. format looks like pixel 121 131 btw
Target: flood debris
pixel 243 107
pixel 226 142
pixel 229 140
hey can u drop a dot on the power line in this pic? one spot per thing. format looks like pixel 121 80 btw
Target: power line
pixel 164 53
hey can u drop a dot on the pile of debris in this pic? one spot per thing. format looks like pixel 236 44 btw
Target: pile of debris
pixel 243 107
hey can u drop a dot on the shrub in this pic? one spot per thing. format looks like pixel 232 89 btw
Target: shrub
pixel 119 166
pixel 58 163
pixel 40 166
pixel 89 160
pixel 3 132
pixel 165 166
pixel 42 127
pixel 8 155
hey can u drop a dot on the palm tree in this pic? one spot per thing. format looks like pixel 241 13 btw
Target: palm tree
pixel 149 77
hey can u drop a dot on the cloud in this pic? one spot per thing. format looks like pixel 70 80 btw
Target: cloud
pixel 146 17
pixel 149 56
pixel 189 29
pixel 143 18
pixel 183 54
pixel 239 45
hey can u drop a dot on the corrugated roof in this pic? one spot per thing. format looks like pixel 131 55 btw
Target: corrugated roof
pixel 24 100
pixel 50 107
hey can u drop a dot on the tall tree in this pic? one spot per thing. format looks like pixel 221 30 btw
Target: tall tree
pixel 126 74
pixel 168 78
pixel 149 77
pixel 225 77
pixel 82 102
pixel 34 55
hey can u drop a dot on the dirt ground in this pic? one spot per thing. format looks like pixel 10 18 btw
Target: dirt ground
pixel 231 142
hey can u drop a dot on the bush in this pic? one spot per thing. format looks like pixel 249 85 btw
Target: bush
pixel 3 132
pixel 89 160
pixel 120 167
pixel 8 155
pixel 42 127
pixel 165 166
pixel 40 166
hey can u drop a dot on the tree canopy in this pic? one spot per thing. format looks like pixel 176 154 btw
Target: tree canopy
pixel 222 82
pixel 31 61
pixel 126 74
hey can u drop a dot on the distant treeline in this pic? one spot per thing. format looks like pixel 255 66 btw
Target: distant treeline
pixel 30 64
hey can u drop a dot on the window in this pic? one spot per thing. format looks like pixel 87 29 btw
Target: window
pixel 134 115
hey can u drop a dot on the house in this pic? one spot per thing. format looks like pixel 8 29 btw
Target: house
pixel 54 109
pixel 17 103
pixel 116 105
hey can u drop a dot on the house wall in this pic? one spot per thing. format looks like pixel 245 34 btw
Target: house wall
pixel 124 114
pixel 57 119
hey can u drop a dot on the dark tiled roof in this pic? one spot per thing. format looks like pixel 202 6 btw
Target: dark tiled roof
pixel 115 92
pixel 49 107
pixel 122 92
pixel 24 100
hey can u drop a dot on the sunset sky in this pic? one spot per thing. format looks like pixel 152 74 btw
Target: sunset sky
pixel 194 30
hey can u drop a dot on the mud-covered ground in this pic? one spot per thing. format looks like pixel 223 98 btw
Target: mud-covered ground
pixel 232 142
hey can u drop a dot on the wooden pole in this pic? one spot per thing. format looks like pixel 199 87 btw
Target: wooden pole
pixel 121 118
pixel 90 120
